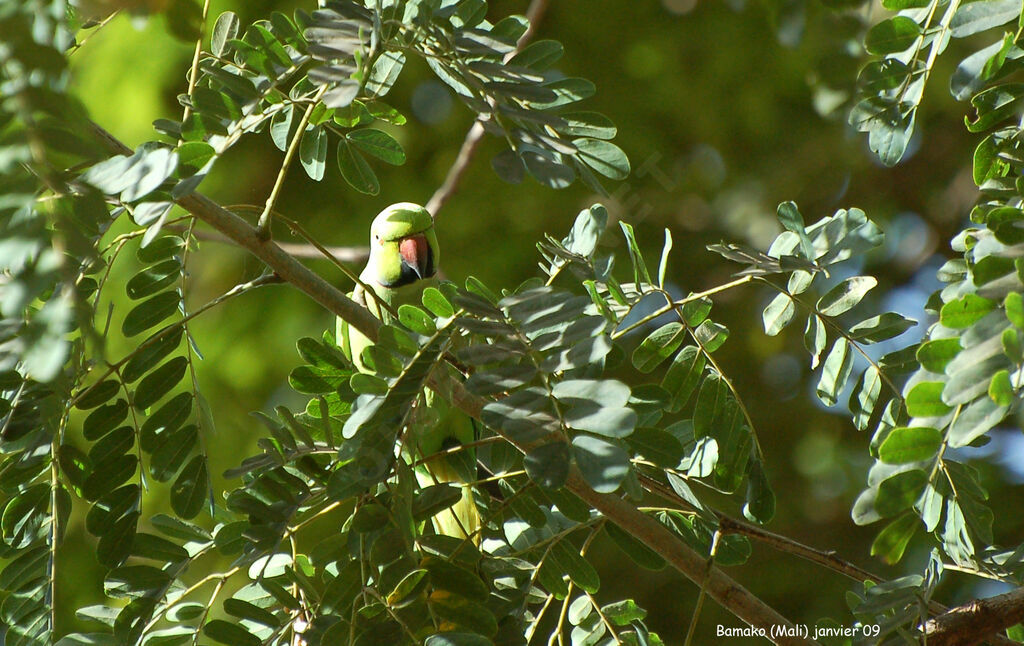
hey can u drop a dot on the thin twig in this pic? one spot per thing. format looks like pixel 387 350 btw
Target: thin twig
pixel 95 29
pixel 703 589
pixel 263 224
pixel 193 72
pixel 730 525
pixel 534 14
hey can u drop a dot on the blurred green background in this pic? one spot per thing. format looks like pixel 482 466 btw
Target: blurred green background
pixel 725 109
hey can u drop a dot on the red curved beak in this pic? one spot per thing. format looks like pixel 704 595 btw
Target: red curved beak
pixel 416 253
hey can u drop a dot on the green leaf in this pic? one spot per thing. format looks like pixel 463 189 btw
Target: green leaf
pixel 190 488
pixel 587 124
pixel 898 492
pixel 159 382
pixel 889 129
pixel 153 352
pixel 864 397
pixel 892 35
pixel 760 500
pixel 936 354
pixel 97 394
pixel 658 346
pixel 245 610
pixel 449 576
pixel 623 613
pixel 791 220
pixel 604 157
pixel 567 91
pixel 815 338
pixel 508 166
pixel 463 612
pixel 165 419
pixel 995 105
pixel 710 335
pixel 436 303
pixel 1012 347
pixel 892 541
pixel 975 17
pixel 615 422
pixel 171 451
pixel 548 464
pixel 1000 390
pixel 457 639
pixel 658 446
pixel 683 376
pixel 112 446
pixel 778 314
pixel 134 581
pixel 547 168
pixel 115 473
pixel 910 444
pixel 379 144
pixel 355 170
pixel 281 126
pixel 925 400
pixel 150 312
pixel 881 328
pixel 433 499
pixel 539 55
pixel 605 391
pixel 965 311
pixel 987 163
pixel 581 573
pixel 416 320
pixel 370 518
pixel 845 295
pixel 24 515
pixel 835 372
pixel 385 72
pixel 104 419
pixel 1014 304
pixel 161 249
pixel 313 152
pixel 153 279
pixel 224 632
pixel 604 464
pixel 718 415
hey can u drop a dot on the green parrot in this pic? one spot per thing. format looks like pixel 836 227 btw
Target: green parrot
pixel 403 261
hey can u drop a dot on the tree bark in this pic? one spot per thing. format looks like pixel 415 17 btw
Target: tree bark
pixel 976 621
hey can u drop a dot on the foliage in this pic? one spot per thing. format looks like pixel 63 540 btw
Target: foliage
pixel 596 369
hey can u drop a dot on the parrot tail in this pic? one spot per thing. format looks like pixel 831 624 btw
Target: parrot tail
pixel 461 519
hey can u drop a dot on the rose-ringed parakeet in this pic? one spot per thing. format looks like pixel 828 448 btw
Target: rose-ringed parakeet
pixel 403 262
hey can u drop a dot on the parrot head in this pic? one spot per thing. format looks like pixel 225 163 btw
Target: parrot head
pixel 403 246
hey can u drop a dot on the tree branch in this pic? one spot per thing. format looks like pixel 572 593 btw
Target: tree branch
pixel 726 591
pixel 244 235
pixel 730 525
pixel 353 255
pixel 977 621
pixel 534 14
pixel 457 170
